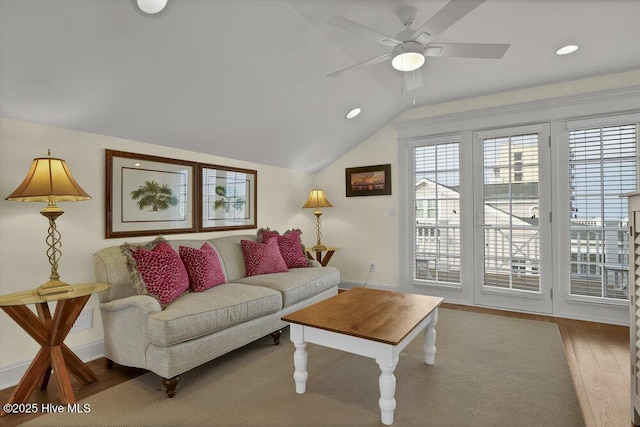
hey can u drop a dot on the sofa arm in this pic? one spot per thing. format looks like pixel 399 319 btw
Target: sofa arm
pixel 145 304
pixel 125 323
pixel 314 263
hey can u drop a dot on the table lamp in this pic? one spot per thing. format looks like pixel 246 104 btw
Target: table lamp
pixel 317 200
pixel 49 180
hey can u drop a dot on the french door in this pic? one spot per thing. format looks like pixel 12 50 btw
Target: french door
pixel 525 218
pixel 513 262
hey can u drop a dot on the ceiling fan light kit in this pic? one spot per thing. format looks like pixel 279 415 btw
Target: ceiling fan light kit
pixel 151 6
pixel 408 56
pixel 411 46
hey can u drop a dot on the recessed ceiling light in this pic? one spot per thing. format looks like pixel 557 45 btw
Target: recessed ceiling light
pixel 565 50
pixel 151 6
pixel 353 113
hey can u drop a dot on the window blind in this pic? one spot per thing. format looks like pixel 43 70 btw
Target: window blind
pixel 437 215
pixel 602 166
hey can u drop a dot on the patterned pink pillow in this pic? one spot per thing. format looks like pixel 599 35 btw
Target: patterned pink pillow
pixel 262 258
pixel 290 244
pixel 291 250
pixel 202 266
pixel 265 234
pixel 161 272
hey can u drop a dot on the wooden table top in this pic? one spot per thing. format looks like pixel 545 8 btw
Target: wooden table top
pixel 371 314
pixel 32 297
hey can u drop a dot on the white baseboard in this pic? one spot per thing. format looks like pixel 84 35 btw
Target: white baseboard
pixel 10 375
pixel 347 284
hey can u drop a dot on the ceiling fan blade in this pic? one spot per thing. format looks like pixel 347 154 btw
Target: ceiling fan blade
pixel 412 79
pixel 363 31
pixel 467 50
pixel 451 13
pixel 361 65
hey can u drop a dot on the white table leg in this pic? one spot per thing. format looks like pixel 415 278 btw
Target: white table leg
pixel 299 358
pixel 430 339
pixel 387 382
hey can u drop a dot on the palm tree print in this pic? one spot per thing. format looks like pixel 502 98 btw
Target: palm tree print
pixel 157 197
pixel 226 202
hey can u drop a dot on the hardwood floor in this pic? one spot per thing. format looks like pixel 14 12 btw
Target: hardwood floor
pixel 107 378
pixel 598 356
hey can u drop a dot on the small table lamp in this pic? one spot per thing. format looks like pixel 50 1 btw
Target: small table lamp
pixel 317 200
pixel 49 180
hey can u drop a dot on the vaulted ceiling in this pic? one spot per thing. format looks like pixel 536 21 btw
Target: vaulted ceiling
pixel 246 79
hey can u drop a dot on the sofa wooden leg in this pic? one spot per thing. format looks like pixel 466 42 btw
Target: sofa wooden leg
pixel 170 384
pixel 276 336
pixel 108 363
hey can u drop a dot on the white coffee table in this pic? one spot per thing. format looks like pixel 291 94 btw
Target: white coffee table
pixel 368 322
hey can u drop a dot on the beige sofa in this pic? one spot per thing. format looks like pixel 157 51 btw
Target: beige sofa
pixel 199 327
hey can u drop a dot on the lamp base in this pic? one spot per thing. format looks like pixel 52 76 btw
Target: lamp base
pixel 319 247
pixel 54 287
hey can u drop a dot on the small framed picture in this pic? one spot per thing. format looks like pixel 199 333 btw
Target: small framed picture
pixel 148 195
pixel 368 180
pixel 227 198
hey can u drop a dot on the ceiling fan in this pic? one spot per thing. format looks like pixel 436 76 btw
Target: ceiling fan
pixel 410 47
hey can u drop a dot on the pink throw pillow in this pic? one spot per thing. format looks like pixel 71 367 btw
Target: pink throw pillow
pixel 291 250
pixel 203 267
pixel 262 258
pixel 290 244
pixel 161 272
pixel 265 234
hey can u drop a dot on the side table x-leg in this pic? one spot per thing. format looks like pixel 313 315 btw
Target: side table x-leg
pixel 54 355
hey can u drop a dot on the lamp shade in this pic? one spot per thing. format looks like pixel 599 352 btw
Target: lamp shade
pixel 317 199
pixel 48 180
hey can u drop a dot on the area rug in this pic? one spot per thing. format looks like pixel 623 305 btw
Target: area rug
pixel 489 371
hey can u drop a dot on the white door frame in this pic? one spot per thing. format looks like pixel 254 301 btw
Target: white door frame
pixel 512 299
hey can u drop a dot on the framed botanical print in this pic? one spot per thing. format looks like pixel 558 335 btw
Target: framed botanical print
pixel 149 195
pixel 227 199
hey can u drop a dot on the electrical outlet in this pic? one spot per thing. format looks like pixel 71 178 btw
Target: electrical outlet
pixel 372 266
pixel 84 320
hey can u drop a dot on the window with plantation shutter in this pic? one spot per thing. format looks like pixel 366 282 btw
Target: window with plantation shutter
pixel 437 214
pixel 510 207
pixel 602 166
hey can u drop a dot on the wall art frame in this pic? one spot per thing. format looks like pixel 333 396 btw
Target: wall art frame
pixel 149 195
pixel 368 180
pixel 227 198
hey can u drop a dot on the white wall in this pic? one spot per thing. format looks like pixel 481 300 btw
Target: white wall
pixel 23 262
pixel 364 227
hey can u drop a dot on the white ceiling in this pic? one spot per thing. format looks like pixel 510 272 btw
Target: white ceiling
pixel 246 79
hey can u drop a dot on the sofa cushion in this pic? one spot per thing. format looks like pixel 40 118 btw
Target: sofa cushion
pixel 262 258
pixel 157 270
pixel 198 314
pixel 231 257
pixel 297 284
pixel 202 266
